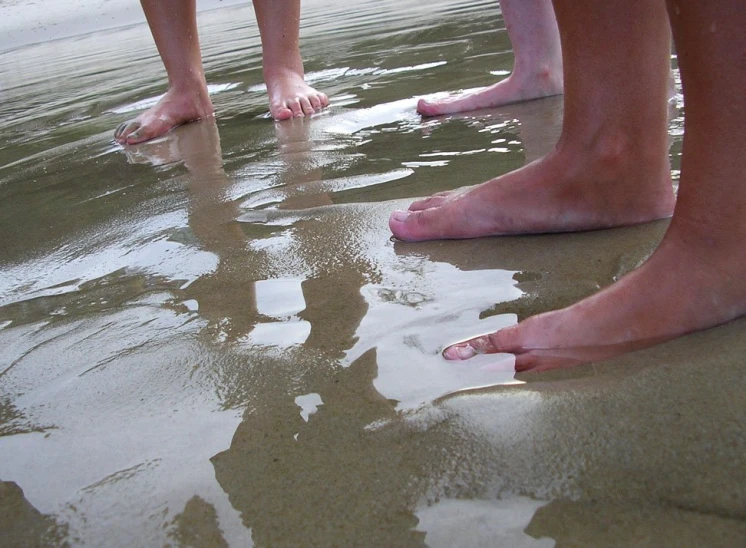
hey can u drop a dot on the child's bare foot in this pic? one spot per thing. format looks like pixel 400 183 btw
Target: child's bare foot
pixel 686 285
pixel 515 88
pixel 567 190
pixel 175 108
pixel 290 96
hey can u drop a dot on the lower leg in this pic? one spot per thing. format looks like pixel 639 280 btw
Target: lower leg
pixel 174 27
pixel 537 71
pixel 610 166
pixel 279 26
pixel 695 279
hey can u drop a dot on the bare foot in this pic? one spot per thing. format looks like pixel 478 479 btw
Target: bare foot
pixel 290 96
pixel 563 192
pixel 515 88
pixel 175 108
pixel 686 285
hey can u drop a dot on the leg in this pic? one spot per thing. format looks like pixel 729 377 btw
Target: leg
pixel 279 26
pixel 537 71
pixel 695 279
pixel 610 166
pixel 174 27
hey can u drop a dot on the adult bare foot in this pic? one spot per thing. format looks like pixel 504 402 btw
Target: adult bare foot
pixel 537 71
pixel 685 286
pixel 695 279
pixel 543 82
pixel 610 166
pixel 290 96
pixel 566 191
pixel 175 108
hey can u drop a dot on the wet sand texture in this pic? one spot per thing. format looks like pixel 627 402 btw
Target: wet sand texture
pixel 211 340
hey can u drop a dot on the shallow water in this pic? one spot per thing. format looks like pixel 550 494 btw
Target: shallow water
pixel 212 338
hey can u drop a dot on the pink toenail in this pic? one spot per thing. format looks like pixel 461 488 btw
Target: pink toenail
pixel 400 215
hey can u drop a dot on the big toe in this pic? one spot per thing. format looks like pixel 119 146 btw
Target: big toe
pixel 124 129
pixel 280 111
pixel 449 105
pixel 143 133
pixel 508 339
pixel 413 226
pixel 426 108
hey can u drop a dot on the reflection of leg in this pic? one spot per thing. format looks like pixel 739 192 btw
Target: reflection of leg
pixel 537 71
pixel 610 166
pixel 226 296
pixel 334 307
pixel 279 26
pixel 174 27
pixel 695 279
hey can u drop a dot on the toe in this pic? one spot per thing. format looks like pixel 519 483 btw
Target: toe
pixel 425 108
pixel 305 106
pixel 137 137
pixel 295 107
pixel 125 129
pixel 280 110
pixel 504 340
pixel 146 132
pixel 281 113
pixel 408 225
pixel 119 130
pixel 468 349
pixel 425 224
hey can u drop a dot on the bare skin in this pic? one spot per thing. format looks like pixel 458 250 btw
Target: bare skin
pixel 614 131
pixel 695 279
pixel 174 27
pixel 289 95
pixel 537 71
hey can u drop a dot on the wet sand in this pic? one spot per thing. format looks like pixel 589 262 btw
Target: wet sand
pixel 211 339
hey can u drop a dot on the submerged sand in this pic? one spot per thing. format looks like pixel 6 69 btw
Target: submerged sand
pixel 212 340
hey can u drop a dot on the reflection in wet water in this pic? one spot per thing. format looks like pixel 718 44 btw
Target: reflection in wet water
pixel 480 523
pixel 211 336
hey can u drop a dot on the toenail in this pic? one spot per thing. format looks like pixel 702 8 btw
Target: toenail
pixel 459 352
pixel 400 215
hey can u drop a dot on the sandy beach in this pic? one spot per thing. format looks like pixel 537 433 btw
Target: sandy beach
pixel 212 340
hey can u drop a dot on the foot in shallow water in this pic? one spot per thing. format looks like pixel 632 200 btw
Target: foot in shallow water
pixel 685 286
pixel 175 108
pixel 513 89
pixel 567 190
pixel 291 97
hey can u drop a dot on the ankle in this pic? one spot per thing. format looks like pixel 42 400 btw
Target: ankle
pixel 190 101
pixel 192 86
pixel 615 153
pixel 291 68
pixel 549 77
pixel 546 76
